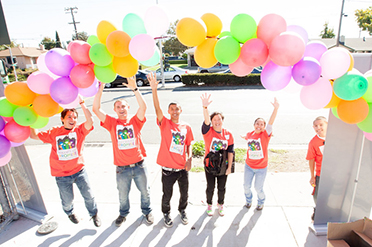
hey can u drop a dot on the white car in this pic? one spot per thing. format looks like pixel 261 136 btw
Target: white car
pixel 172 73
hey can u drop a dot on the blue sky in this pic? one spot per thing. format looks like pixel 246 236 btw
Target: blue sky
pixel 29 21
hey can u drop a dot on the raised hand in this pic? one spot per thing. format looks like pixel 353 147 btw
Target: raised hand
pixel 152 80
pixel 275 104
pixel 131 82
pixel 206 99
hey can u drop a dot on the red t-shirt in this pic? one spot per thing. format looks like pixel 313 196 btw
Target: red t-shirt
pixel 257 149
pixel 66 156
pixel 215 141
pixel 315 151
pixel 175 137
pixel 126 139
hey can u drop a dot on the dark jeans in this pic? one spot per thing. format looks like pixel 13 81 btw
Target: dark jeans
pixel 168 179
pixel 221 187
pixel 315 195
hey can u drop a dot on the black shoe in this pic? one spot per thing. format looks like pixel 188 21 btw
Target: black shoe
pixel 149 218
pixel 167 220
pixel 119 220
pixel 73 218
pixel 184 218
pixel 96 220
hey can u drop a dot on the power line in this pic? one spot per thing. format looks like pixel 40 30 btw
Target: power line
pixel 71 9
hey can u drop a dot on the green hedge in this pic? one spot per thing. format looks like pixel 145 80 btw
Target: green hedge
pixel 177 62
pixel 228 79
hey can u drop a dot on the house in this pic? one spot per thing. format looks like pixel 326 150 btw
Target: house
pixel 26 57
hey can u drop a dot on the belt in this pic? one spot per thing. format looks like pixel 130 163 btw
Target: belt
pixel 136 164
pixel 172 169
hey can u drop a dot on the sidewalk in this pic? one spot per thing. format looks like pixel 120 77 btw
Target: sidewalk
pixel 284 221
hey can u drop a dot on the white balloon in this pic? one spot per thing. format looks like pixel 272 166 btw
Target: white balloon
pixel 156 21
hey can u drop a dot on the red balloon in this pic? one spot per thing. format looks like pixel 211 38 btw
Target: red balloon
pixel 79 51
pixel 15 132
pixel 82 76
pixel 269 27
pixel 254 52
pixel 287 49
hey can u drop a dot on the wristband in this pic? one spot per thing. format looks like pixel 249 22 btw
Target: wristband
pixel 205 107
pixel 82 102
pixel 136 89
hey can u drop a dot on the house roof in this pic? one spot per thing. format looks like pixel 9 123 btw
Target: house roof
pixel 19 51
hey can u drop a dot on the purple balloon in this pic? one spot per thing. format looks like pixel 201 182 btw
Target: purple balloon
pixel 90 91
pixel 4 146
pixel 59 62
pixel 2 123
pixel 307 71
pixel 275 77
pixel 63 91
pixel 315 49
pixel 299 30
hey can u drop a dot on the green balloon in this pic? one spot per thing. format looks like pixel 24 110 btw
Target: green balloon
pixel 224 33
pixel 154 60
pixel 40 122
pixel 24 115
pixel 133 24
pixel 99 55
pixel 243 27
pixel 350 86
pixel 368 95
pixel 334 111
pixel 6 108
pixel 93 39
pixel 366 124
pixel 227 50
pixel 105 74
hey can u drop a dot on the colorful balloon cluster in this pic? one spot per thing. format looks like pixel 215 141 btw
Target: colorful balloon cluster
pixel 326 78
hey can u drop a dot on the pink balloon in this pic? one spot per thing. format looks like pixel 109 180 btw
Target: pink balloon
pixel 39 82
pixel 317 95
pixel 42 66
pixel 142 47
pixel 307 71
pixel 63 91
pixel 287 49
pixel 335 63
pixel 5 160
pixel 315 49
pixel 73 104
pixel 59 61
pixel 275 77
pixel 239 68
pixel 269 27
pixel 82 76
pixel 15 132
pixel 7 119
pixel 90 91
pixel 254 52
pixel 300 31
pixel 79 51
pixel 156 21
pixel 292 87
pixel 368 135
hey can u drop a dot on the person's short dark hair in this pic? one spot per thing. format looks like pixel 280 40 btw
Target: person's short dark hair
pixel 174 103
pixel 65 111
pixel 260 118
pixel 217 113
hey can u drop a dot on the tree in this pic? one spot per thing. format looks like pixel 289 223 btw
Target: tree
pixel 11 45
pixel 48 43
pixel 172 45
pixel 327 33
pixel 58 41
pixel 81 36
pixel 364 19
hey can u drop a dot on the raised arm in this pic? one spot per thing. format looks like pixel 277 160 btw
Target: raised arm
pixel 275 111
pixel 33 134
pixel 140 100
pixel 97 104
pixel 154 88
pixel 88 115
pixel 206 102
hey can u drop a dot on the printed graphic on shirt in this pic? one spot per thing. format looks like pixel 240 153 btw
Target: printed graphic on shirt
pixel 255 149
pixel 125 137
pixel 178 141
pixel 66 146
pixel 217 145
pixel 321 148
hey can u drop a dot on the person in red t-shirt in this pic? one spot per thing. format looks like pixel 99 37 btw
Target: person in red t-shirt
pixel 315 154
pixel 257 159
pixel 67 162
pixel 215 139
pixel 174 155
pixel 128 149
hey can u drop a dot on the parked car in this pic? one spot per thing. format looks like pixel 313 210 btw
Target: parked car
pixel 172 73
pixel 256 70
pixel 217 68
pixel 141 79
pixel 175 58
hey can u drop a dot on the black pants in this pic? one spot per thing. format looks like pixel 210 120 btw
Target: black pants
pixel 168 179
pixel 315 195
pixel 221 187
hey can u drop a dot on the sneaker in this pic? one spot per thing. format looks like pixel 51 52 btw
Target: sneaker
pixel 119 220
pixel 96 220
pixel 248 205
pixel 184 218
pixel 167 220
pixel 73 218
pixel 259 207
pixel 149 218
pixel 209 210
pixel 221 209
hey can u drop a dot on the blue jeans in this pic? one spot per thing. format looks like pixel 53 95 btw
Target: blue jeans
pixel 260 175
pixel 67 194
pixel 124 176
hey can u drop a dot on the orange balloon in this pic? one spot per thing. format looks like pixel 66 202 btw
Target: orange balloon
pixel 354 111
pixel 213 23
pixel 204 53
pixel 125 66
pixel 18 93
pixel 45 106
pixel 190 32
pixel 104 28
pixel 118 43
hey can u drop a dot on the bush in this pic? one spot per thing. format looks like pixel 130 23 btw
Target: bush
pixel 198 149
pixel 221 79
pixel 240 155
pixel 177 61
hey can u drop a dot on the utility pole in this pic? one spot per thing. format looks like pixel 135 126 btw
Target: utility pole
pixel 339 26
pixel 71 9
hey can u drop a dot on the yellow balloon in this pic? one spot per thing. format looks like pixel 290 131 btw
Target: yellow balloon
pixel 351 62
pixel 213 23
pixel 125 66
pixel 333 102
pixel 190 32
pixel 204 53
pixel 104 28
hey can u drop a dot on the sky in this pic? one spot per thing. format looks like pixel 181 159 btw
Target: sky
pixel 29 21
